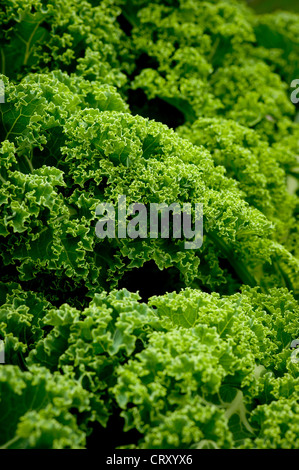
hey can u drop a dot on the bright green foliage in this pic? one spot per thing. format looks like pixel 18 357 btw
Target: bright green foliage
pixel 277 38
pixel 35 410
pixel 189 369
pixel 205 62
pixel 179 101
pixel 72 36
pixel 279 425
pixel 210 368
pixel 102 154
pixel 253 163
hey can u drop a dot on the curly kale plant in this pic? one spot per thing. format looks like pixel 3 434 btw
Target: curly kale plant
pixel 164 102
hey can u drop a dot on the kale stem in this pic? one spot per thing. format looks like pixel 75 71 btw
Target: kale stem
pixel 29 163
pixel 2 179
pixel 239 267
pixel 11 441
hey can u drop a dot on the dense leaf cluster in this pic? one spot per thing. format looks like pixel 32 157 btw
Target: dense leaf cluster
pixel 176 101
